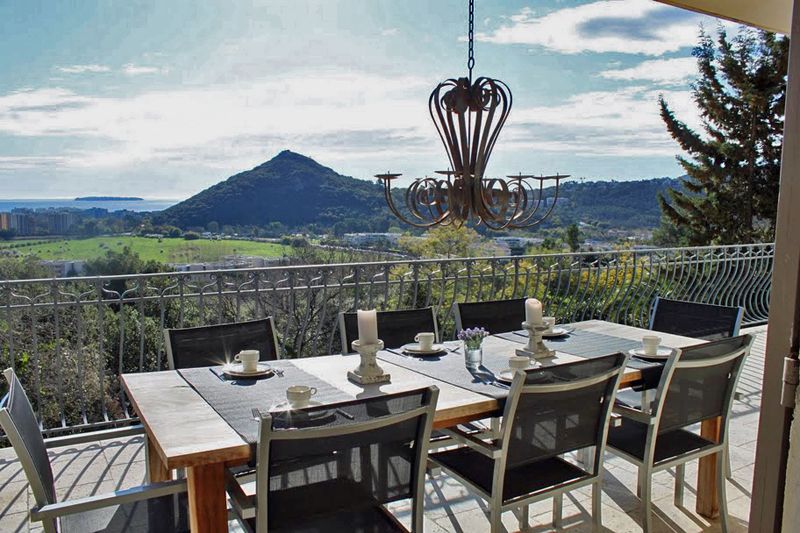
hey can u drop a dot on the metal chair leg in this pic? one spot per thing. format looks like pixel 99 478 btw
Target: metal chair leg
pixel 495 518
pixel 524 518
pixel 558 505
pixel 722 492
pixel 645 495
pixel 597 505
pixel 728 468
pixel 680 475
pixel 494 427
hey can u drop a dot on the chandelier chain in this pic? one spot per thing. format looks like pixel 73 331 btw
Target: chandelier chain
pixel 471 39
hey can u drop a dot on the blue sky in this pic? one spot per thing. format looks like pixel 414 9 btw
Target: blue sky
pixel 164 98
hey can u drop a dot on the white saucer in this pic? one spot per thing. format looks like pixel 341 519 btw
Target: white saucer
pixel 414 348
pixel 661 353
pixel 558 331
pixel 506 376
pixel 234 370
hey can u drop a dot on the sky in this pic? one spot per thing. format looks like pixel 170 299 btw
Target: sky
pixel 162 99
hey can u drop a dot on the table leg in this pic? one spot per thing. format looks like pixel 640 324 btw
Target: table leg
pixel 207 509
pixel 156 469
pixel 707 501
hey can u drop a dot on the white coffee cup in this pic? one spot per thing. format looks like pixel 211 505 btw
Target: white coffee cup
pixel 300 395
pixel 425 341
pixel 650 344
pixel 518 362
pixel 550 322
pixel 249 360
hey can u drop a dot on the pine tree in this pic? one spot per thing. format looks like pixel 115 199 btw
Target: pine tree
pixel 731 189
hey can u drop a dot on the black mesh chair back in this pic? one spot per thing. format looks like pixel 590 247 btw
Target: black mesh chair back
pixel 22 429
pixel 700 382
pixel 495 316
pixel 698 320
pixel 316 463
pixel 395 328
pixel 560 409
pixel 218 344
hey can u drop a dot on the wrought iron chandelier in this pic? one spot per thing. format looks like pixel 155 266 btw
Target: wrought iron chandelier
pixel 468 117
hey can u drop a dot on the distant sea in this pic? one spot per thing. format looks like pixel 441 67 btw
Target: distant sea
pixel 111 205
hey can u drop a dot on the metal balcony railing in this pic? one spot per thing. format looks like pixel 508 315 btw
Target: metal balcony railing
pixel 70 338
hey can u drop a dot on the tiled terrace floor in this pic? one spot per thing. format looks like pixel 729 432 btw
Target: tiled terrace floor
pixel 114 464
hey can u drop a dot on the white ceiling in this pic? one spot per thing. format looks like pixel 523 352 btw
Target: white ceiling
pixel 773 15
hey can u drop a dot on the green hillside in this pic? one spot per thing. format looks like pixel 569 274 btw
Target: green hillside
pixel 291 189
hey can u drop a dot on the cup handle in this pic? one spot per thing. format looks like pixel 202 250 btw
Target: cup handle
pixel 237 358
pixel 313 391
pixel 416 338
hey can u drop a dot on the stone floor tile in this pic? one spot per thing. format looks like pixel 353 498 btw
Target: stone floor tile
pixel 14 498
pixel 128 475
pixel 72 492
pixel 81 470
pixel 14 522
pixel 123 451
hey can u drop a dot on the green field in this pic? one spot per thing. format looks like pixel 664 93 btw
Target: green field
pixel 164 250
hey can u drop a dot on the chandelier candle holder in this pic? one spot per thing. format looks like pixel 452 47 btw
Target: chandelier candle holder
pixel 535 326
pixel 468 115
pixel 368 345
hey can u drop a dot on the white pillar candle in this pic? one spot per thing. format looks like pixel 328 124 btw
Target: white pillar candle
pixel 368 326
pixel 533 311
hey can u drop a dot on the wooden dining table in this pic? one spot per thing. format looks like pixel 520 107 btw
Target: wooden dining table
pixel 184 431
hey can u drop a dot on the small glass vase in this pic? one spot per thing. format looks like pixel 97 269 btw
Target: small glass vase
pixel 473 357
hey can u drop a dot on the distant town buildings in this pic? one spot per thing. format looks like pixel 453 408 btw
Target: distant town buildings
pixel 64 268
pixel 516 245
pixel 26 223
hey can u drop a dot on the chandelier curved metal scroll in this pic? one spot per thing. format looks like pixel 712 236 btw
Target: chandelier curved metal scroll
pixel 468 117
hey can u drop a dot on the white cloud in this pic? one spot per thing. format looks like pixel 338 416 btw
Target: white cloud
pixel 390 32
pixel 135 70
pixel 602 123
pixel 29 162
pixel 622 26
pixel 668 71
pixel 82 69
pixel 231 124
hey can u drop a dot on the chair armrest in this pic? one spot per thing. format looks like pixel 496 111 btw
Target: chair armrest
pixel 634 414
pixel 487 449
pixel 90 503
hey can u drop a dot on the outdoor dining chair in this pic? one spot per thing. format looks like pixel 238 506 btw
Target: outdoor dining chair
pixel 697 384
pixel 395 328
pixel 689 319
pixel 697 320
pixel 496 316
pixel 154 507
pixel 549 413
pixel 218 344
pixel 334 467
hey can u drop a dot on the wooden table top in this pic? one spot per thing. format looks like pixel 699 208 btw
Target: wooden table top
pixel 186 431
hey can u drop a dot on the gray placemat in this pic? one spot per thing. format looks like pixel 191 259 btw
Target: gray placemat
pixel 585 344
pixel 234 400
pixel 449 367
